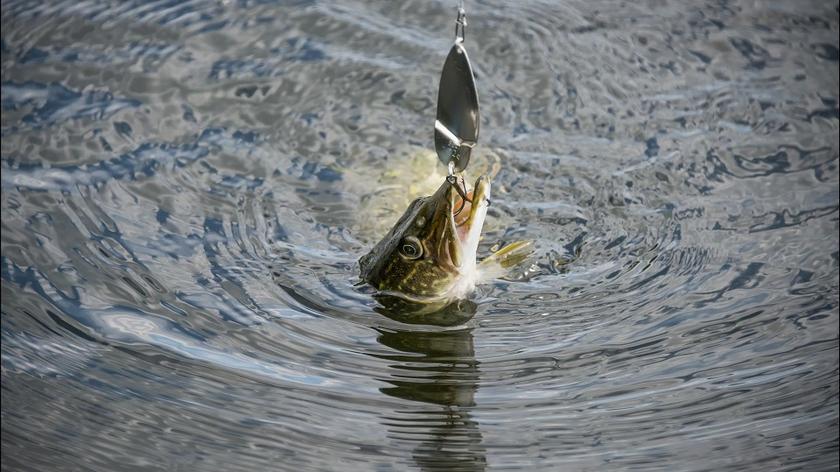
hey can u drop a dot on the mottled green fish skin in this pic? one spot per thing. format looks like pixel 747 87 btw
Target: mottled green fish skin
pixel 428 219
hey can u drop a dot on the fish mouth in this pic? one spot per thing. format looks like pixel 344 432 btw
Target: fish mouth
pixel 467 212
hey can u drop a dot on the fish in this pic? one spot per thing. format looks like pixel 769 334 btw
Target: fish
pixel 429 257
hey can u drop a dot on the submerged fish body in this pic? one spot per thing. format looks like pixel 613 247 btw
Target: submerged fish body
pixel 429 256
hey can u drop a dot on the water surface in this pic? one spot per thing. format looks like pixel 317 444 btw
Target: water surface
pixel 181 184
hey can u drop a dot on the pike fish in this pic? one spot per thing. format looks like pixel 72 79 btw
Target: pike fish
pixel 430 255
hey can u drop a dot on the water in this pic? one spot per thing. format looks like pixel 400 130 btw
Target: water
pixel 181 185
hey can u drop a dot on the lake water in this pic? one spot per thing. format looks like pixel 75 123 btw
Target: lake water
pixel 182 215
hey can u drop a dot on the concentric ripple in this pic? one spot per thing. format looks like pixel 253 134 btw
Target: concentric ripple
pixel 187 188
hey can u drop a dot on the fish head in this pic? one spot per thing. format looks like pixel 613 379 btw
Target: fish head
pixel 430 253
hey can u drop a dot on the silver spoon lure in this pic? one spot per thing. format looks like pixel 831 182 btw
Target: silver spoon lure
pixel 457 123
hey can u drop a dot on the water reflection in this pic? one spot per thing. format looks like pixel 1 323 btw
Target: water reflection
pixel 436 367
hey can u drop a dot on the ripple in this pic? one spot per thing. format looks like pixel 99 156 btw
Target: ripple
pixel 187 188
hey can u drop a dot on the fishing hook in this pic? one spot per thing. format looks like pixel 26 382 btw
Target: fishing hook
pixel 462 191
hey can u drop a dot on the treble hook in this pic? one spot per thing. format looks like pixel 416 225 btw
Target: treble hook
pixel 462 191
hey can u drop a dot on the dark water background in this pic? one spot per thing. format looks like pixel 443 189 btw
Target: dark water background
pixel 180 237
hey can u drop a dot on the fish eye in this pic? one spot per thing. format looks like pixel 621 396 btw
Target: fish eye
pixel 411 248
